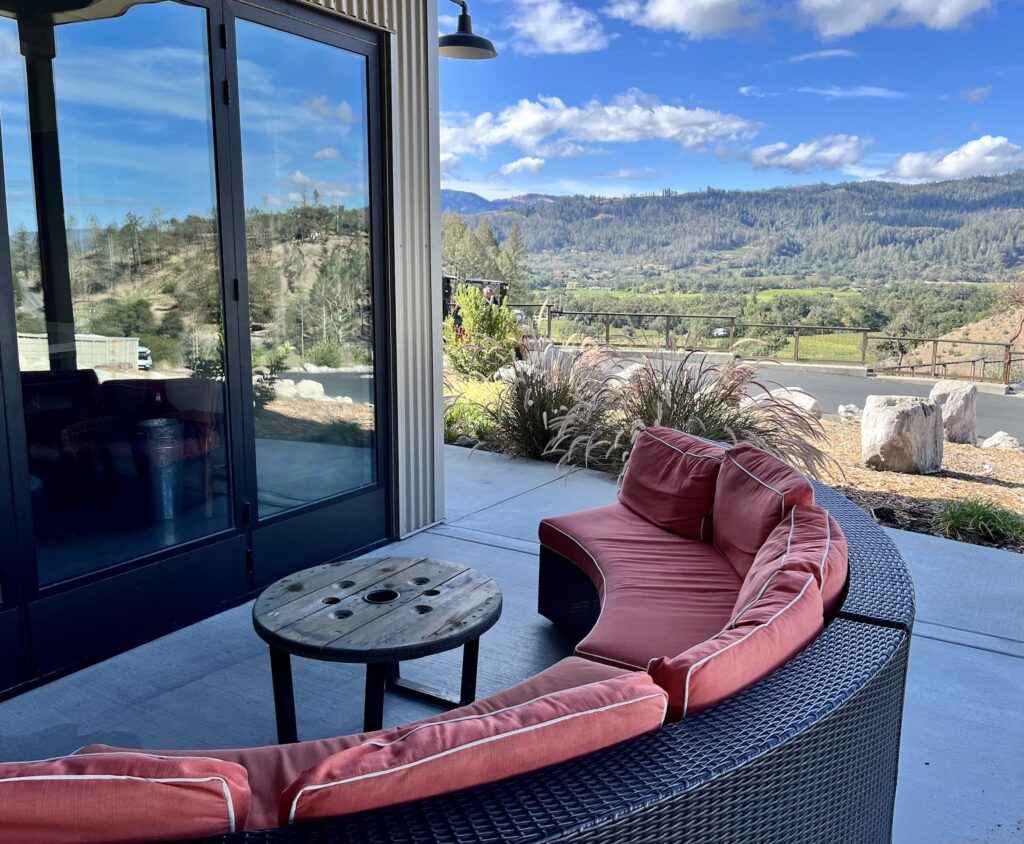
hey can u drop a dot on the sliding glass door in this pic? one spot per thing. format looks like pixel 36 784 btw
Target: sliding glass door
pixel 196 379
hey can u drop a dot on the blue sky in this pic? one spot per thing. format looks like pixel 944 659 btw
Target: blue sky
pixel 133 105
pixel 626 96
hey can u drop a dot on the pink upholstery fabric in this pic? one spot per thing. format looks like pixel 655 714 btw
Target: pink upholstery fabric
pixel 410 763
pixel 755 492
pixel 767 634
pixel 809 540
pixel 670 481
pixel 660 593
pixel 273 768
pixel 109 798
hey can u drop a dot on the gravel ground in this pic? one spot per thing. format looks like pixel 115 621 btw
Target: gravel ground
pixel 967 473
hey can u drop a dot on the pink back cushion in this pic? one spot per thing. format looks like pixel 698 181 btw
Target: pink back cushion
pixel 108 798
pixel 810 541
pixel 670 481
pixel 764 637
pixel 755 492
pixel 412 763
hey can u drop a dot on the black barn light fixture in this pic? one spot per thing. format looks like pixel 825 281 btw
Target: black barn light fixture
pixel 464 44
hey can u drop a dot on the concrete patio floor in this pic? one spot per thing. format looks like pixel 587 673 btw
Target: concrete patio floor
pixel 962 765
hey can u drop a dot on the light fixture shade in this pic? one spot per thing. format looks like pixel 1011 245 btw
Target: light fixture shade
pixel 464 44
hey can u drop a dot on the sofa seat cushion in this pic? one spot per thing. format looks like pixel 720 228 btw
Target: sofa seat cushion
pixel 810 541
pixel 449 754
pixel 274 767
pixel 660 593
pixel 763 637
pixel 120 797
pixel 755 492
pixel 670 481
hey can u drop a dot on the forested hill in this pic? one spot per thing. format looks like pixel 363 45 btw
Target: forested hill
pixel 965 230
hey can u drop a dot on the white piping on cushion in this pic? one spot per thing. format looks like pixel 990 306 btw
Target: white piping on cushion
pixel 680 451
pixel 706 659
pixel 487 714
pixel 295 803
pixel 118 777
pixel 782 496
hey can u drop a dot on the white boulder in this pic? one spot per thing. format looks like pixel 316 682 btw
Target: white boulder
pixel 902 434
pixel 285 389
pixel 849 412
pixel 801 398
pixel 1003 440
pixel 309 389
pixel 959 403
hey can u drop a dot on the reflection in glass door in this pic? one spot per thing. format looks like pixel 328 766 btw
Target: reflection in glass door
pixel 305 140
pixel 117 283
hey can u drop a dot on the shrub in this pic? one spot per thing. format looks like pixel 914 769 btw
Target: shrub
pixel 694 396
pixel 523 419
pixel 268 365
pixel 326 353
pixel 975 520
pixel 487 338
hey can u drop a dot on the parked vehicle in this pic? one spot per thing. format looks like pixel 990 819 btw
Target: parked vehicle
pixel 145 358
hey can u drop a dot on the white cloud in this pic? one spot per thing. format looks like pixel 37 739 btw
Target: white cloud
pixel 754 91
pixel 695 18
pixel 977 95
pixel 984 156
pixel 549 127
pixel 632 173
pixel 846 17
pixel 529 164
pixel 323 107
pixel 556 26
pixel 831 152
pixel 449 161
pixel 326 154
pixel 820 55
pixel 835 92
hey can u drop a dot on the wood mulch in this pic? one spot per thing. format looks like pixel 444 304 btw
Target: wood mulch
pixel 911 501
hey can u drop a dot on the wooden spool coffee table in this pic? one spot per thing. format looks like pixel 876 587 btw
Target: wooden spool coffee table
pixel 380 612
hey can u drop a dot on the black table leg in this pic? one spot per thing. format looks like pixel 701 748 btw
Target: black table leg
pixel 470 660
pixel 284 696
pixel 377 676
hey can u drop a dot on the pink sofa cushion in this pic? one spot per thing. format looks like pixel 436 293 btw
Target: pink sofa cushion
pixel 762 638
pixel 120 797
pixel 660 594
pixel 810 541
pixel 411 763
pixel 670 481
pixel 274 767
pixel 755 492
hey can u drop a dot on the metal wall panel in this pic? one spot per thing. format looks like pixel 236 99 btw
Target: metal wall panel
pixel 417 243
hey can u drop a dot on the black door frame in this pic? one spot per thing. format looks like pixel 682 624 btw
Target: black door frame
pixel 48 616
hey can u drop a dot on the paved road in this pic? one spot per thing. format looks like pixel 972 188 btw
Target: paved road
pixel 995 413
pixel 356 385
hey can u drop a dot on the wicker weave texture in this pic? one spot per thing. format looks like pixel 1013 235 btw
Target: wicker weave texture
pixel 810 754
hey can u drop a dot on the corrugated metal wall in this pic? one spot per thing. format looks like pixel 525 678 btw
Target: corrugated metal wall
pixel 415 121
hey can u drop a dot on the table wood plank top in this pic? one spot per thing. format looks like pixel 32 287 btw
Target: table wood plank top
pixel 377 610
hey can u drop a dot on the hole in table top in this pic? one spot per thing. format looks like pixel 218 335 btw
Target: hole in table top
pixel 432 592
pixel 294 587
pixel 381 596
pixel 421 581
pixel 423 609
pixel 342 614
pixel 331 600
pixel 346 584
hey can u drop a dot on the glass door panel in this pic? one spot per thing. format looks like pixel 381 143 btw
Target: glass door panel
pixel 117 283
pixel 305 140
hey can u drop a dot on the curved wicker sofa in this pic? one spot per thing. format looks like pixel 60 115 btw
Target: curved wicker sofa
pixel 808 754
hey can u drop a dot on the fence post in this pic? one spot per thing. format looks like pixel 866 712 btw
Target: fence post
pixel 549 322
pixel 935 355
pixel 1007 362
pixel 732 328
pixel 608 331
pixel 864 348
pixel 668 333
pixel 796 343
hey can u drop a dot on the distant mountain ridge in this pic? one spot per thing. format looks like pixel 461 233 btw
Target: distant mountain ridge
pixel 969 229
